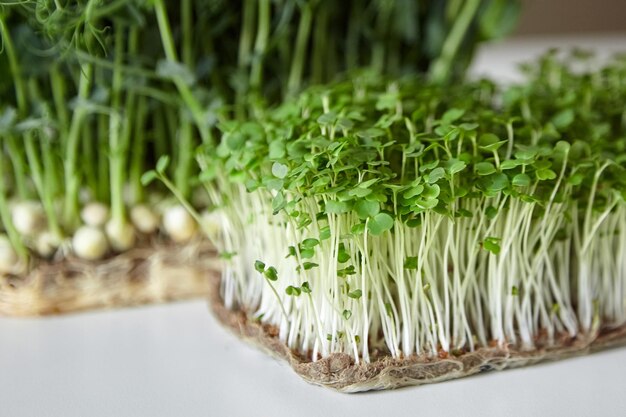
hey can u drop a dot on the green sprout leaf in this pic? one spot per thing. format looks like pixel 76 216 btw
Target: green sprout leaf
pixel 430 192
pixel 310 243
pixel 495 182
pixel 491 212
pixel 521 180
pixel 148 177
pixel 343 256
pixel 410 262
pixel 452 115
pixel 366 208
pixel 162 164
pixel 510 164
pixel 389 309
pixel 293 291
pixel 545 174
pixel 371 133
pixel 563 119
pixel 380 224
pixel 358 229
pixel 485 168
pixel 490 142
pixel 413 191
pixel 309 265
pixel 492 244
pixel 337 207
pixel 271 273
pixel 259 266
pixel 576 179
pixel 356 294
pixel 307 253
pixel 349 270
pixel 455 166
pixel 435 175
pixel 278 202
pixel 279 170
pixel 305 287
pixel 277 149
pixel 327 118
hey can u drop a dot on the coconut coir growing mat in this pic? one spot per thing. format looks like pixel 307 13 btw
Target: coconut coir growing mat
pixel 151 273
pixel 339 371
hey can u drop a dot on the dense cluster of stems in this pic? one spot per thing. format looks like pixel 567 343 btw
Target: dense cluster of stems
pixel 377 216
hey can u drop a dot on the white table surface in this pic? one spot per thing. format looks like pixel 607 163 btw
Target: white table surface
pixel 175 360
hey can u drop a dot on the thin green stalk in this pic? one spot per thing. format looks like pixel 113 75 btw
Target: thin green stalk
pixel 299 58
pixel 352 37
pixel 116 124
pixel 137 154
pixel 160 132
pixel 181 198
pixel 5 218
pixel 186 22
pixel 247 29
pixel 184 164
pixel 184 132
pixel 440 69
pixel 280 301
pixel 40 181
pixel 102 139
pixel 58 89
pixel 172 123
pixel 318 60
pixel 16 71
pixel 380 48
pixel 18 162
pixel 116 166
pixel 106 10
pixel 245 46
pixel 260 45
pixel 51 178
pixel 72 178
pixel 184 90
pixel 89 151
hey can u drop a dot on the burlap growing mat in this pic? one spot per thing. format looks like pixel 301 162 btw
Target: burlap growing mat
pixel 339 371
pixel 150 273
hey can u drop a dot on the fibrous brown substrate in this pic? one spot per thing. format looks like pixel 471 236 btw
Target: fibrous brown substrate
pixel 154 271
pixel 339 371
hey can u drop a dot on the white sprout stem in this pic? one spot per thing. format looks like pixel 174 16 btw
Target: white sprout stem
pixel 460 296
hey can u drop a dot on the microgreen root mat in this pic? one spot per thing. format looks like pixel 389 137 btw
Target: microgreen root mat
pixel 338 371
pixel 150 273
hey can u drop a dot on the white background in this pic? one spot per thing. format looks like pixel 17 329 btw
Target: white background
pixel 175 360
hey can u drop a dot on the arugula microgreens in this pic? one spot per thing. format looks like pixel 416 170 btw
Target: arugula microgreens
pixel 429 215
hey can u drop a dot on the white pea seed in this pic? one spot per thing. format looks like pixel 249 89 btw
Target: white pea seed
pixel 144 219
pixel 179 224
pixel 95 214
pixel 90 243
pixel 46 243
pixel 28 217
pixel 8 257
pixel 121 234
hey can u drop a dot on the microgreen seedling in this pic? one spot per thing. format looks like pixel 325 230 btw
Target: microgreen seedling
pixel 437 219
